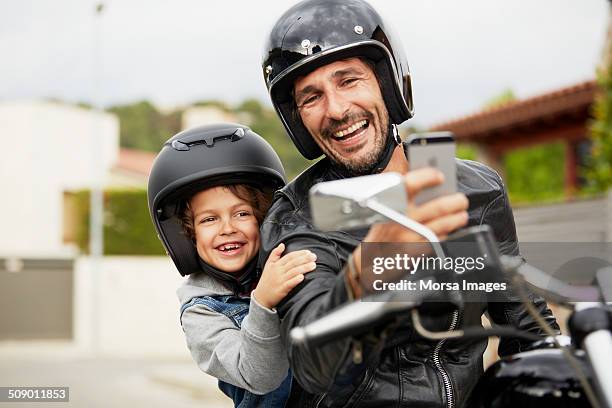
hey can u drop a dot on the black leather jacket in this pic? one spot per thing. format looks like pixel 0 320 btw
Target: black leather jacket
pixel 405 369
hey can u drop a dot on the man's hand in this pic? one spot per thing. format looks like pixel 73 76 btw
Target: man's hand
pixel 442 215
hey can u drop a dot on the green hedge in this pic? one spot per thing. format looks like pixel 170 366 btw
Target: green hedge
pixel 536 174
pixel 598 172
pixel 128 229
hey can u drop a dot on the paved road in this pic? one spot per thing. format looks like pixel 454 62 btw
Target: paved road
pixel 109 382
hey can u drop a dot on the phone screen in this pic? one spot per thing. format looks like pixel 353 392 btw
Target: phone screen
pixel 437 150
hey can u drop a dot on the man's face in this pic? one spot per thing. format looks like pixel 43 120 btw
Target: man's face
pixel 342 107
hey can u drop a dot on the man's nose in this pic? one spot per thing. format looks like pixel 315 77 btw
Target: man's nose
pixel 337 106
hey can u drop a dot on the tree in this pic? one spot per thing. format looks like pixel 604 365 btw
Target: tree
pixel 598 172
pixel 265 122
pixel 501 99
pixel 535 173
pixel 599 169
pixel 143 127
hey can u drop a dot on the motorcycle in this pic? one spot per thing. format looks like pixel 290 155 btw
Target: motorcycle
pixel 557 372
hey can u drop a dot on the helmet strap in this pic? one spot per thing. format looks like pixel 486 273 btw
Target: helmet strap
pixel 393 140
pixel 241 283
pixel 396 135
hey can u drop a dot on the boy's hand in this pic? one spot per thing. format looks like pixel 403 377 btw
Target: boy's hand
pixel 281 274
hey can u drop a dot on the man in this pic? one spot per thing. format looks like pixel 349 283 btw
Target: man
pixel 340 83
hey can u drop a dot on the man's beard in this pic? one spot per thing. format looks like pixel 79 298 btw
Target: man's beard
pixel 364 165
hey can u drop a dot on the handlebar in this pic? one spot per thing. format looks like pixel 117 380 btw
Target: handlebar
pixel 357 318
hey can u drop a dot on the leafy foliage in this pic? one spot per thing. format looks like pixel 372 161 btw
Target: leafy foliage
pixel 128 229
pixel 501 99
pixel 535 173
pixel 143 127
pixel 465 151
pixel 598 173
pixel 265 122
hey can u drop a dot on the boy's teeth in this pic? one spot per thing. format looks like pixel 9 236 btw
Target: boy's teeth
pixel 350 129
pixel 229 246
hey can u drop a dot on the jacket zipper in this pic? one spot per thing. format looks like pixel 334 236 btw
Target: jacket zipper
pixel 320 399
pixel 448 387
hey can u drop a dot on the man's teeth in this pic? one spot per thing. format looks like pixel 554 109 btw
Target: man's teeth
pixel 229 247
pixel 350 129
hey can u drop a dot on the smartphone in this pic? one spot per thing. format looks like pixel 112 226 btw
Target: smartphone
pixel 433 149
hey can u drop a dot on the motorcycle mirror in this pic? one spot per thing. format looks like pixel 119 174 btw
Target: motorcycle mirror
pixel 343 204
pixel 362 201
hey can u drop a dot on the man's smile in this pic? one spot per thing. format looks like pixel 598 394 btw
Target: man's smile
pixel 352 140
pixel 351 130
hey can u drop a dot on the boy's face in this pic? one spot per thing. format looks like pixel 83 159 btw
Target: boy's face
pixel 226 230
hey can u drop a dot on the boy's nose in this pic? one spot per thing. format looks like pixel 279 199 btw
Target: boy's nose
pixel 227 227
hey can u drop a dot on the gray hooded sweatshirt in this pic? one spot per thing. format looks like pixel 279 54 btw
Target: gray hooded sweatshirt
pixel 251 357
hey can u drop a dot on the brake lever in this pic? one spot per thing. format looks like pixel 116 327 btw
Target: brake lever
pixel 548 286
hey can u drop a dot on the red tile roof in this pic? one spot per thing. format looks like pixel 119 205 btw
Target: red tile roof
pixel 570 100
pixel 135 161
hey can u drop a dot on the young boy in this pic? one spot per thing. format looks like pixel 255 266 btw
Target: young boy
pixel 209 191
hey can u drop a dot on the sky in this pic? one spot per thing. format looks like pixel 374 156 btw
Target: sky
pixel 461 53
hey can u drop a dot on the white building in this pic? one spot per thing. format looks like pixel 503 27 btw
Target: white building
pixel 48 148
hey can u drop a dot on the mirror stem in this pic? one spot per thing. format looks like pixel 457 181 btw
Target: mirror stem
pixel 406 222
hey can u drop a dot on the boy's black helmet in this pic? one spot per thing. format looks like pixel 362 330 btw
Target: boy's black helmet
pixel 197 159
pixel 314 33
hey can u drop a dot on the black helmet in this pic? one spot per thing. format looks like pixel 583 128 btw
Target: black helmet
pixel 314 33
pixel 200 158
